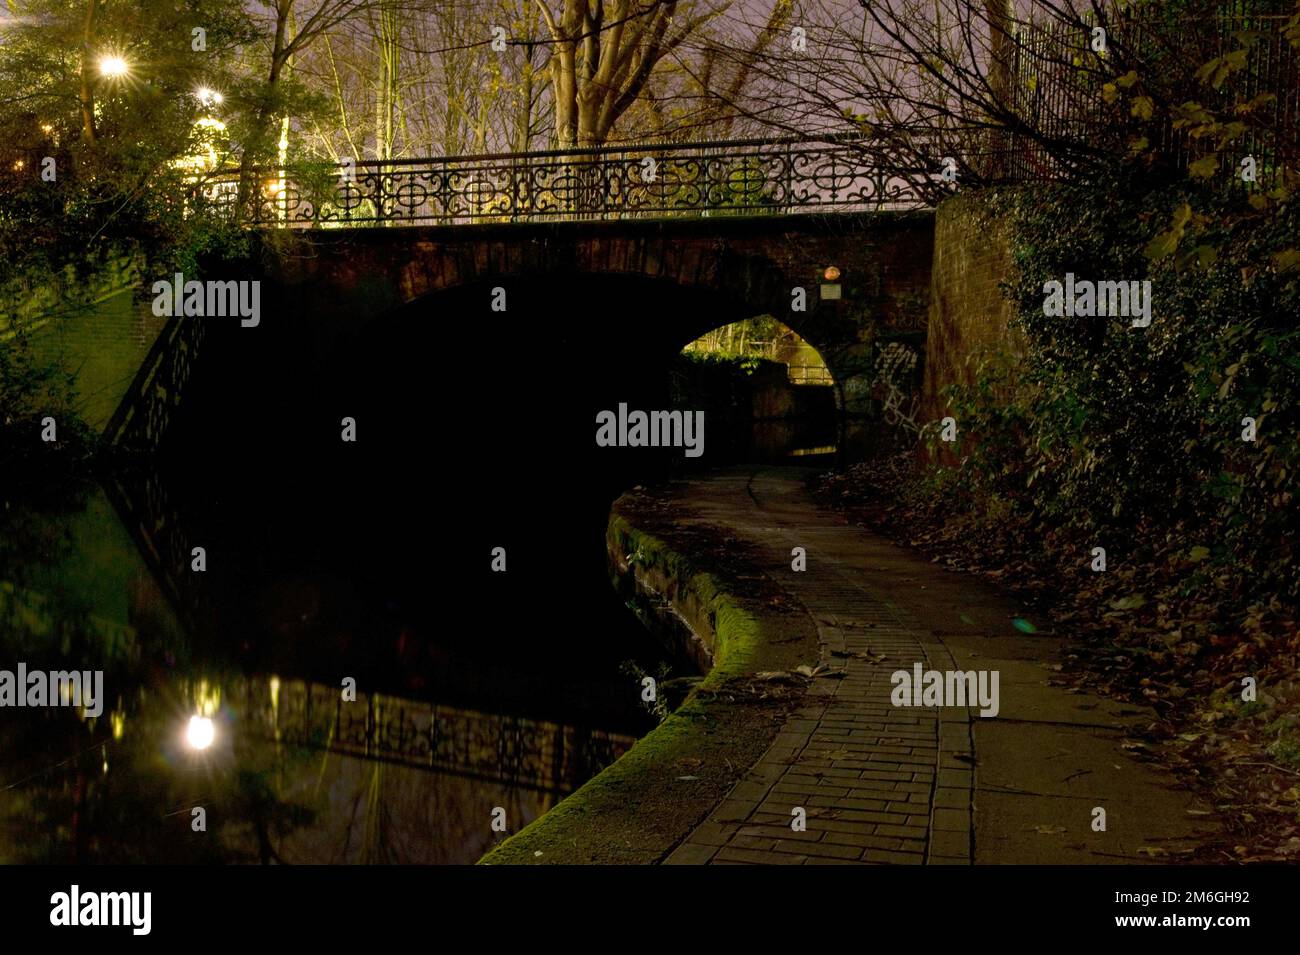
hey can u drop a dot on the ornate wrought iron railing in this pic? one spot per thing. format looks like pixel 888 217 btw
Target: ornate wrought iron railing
pixel 737 177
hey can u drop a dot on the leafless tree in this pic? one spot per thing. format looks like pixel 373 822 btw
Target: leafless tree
pixel 1047 86
pixel 604 53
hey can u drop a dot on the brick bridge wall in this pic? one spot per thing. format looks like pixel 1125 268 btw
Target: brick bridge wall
pixel 741 267
pixel 969 317
pixel 929 280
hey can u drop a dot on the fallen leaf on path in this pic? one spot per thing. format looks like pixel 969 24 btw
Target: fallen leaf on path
pixel 775 676
pixel 872 658
pixel 818 671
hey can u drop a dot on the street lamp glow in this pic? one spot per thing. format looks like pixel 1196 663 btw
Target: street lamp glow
pixel 208 96
pixel 200 732
pixel 113 66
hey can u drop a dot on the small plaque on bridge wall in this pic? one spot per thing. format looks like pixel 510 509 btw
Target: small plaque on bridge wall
pixel 830 291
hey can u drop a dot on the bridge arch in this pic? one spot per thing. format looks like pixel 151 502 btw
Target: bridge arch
pixel 707 271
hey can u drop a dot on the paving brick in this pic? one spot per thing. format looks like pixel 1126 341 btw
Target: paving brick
pixel 950 843
pixel 904 832
pixel 757 843
pixel 871 815
pixel 781 801
pixel 800 725
pixel 911 787
pixel 825 849
pixel 953 820
pixel 748 791
pixel 691 854
pixel 947 798
pixel 824 860
pixel 750 855
pixel 874 805
pixel 777 832
pixel 863 840
pixel 955 779
pixel 712 833
pixel 731 810
pixel 893 858
pixel 894 775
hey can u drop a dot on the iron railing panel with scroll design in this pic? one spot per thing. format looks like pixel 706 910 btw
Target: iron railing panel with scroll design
pixel 737 177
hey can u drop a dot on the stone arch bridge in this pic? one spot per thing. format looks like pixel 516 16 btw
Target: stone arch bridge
pixel 718 232
pixel 716 271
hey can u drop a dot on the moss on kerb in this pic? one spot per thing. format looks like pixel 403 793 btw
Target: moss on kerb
pixel 599 816
pixel 735 632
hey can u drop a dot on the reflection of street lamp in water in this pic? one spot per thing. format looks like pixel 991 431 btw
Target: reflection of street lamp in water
pixel 200 733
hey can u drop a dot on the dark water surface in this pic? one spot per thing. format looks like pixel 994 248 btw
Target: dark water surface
pixel 326 562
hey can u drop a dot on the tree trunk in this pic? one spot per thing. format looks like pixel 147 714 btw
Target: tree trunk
pixel 386 92
pixel 87 95
pixel 249 197
pixel 1001 21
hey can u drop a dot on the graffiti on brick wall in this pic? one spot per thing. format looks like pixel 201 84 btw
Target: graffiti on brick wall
pixel 895 371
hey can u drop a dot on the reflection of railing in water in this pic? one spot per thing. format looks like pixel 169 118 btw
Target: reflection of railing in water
pixel 142 502
pixel 146 410
pixel 518 751
pixel 140 422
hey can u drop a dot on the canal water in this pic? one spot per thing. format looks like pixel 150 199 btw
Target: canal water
pixel 480 696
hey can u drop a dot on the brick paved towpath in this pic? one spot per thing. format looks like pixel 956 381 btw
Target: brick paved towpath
pixel 886 784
